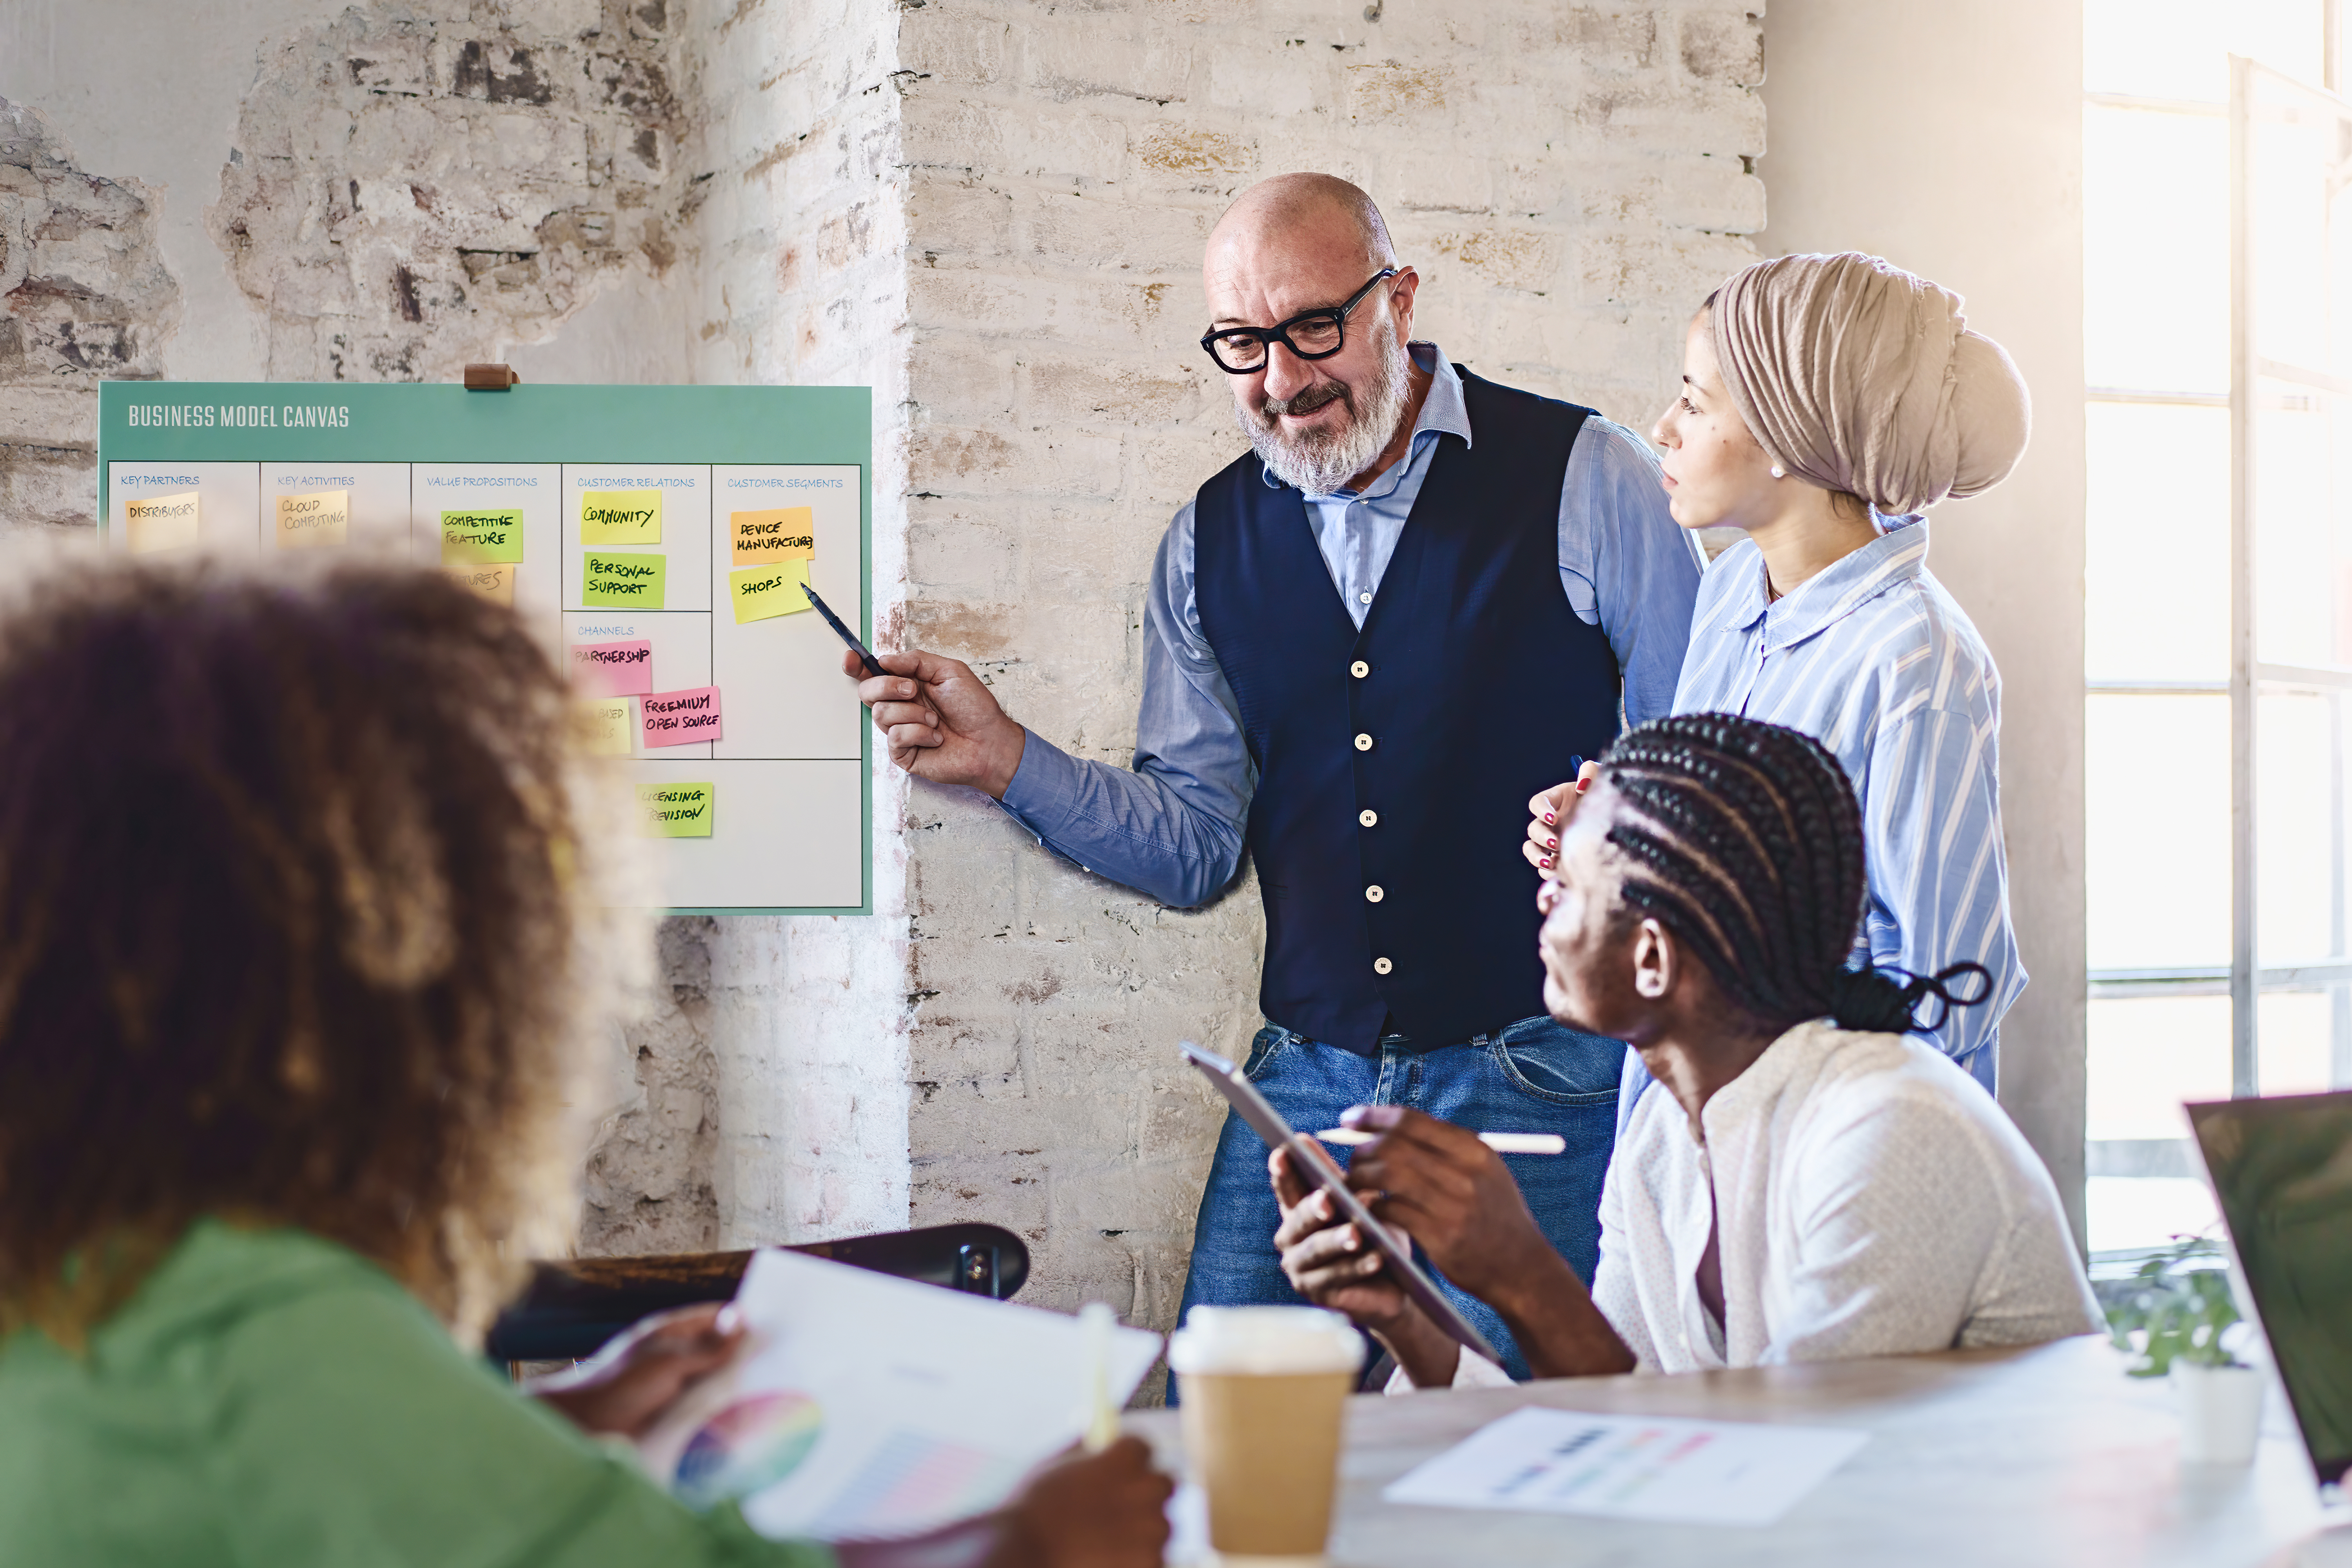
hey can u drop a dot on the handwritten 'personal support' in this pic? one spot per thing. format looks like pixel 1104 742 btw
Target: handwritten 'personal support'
pixel 622 581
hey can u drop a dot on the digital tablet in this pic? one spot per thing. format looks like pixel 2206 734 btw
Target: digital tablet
pixel 1267 1122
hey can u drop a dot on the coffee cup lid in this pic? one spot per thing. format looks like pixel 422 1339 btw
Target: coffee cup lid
pixel 1264 1341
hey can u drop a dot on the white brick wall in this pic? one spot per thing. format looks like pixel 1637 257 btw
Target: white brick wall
pixel 1570 184
pixel 991 212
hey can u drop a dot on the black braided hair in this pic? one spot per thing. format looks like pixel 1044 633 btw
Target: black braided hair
pixel 1743 840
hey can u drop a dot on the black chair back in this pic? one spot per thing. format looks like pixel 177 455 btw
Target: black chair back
pixel 575 1304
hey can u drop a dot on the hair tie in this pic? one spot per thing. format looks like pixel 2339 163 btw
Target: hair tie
pixel 1887 1002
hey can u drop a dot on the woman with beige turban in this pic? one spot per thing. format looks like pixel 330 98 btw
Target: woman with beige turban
pixel 1827 401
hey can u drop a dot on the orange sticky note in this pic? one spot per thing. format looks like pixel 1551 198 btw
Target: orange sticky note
pixel 491 581
pixel 780 533
pixel 162 522
pixel 315 521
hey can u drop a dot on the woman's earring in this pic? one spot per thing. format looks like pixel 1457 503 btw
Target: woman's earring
pixel 1779 471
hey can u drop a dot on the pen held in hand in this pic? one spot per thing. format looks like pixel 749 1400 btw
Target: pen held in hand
pixel 1501 1143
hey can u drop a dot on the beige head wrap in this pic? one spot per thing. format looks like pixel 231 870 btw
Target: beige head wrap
pixel 1857 376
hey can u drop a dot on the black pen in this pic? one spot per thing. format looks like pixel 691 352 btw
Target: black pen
pixel 847 636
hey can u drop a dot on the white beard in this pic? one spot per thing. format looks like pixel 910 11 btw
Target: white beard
pixel 1319 463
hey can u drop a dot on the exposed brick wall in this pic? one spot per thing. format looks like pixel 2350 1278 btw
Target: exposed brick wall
pixel 84 297
pixel 416 182
pixel 1569 181
pixel 802 232
pixel 991 212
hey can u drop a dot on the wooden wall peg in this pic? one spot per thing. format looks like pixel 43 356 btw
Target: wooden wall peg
pixel 491 378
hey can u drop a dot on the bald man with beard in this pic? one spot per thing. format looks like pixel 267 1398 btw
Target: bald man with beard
pixel 1421 598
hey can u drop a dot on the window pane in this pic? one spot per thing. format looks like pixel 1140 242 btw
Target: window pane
pixel 2294 199
pixel 2143 1213
pixel 2294 1041
pixel 2155 250
pixel 2180 49
pixel 2295 846
pixel 2299 570
pixel 2149 1056
pixel 2156 853
pixel 2158 555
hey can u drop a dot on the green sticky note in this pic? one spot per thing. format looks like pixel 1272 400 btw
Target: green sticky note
pixel 481 538
pixel 677 810
pixel 621 581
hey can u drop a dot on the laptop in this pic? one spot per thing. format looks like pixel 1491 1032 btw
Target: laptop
pixel 2282 1171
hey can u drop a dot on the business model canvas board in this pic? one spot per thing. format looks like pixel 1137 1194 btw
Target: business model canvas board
pixel 656 537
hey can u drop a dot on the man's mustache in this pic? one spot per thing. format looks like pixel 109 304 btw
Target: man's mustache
pixel 1305 402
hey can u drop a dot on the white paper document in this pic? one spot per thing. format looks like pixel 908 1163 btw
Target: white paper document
pixel 867 1407
pixel 1631 1466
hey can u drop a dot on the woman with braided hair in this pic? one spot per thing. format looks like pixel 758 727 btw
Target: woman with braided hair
pixel 1814 1183
pixel 1826 401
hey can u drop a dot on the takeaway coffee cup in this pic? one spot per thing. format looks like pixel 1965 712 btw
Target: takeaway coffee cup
pixel 1261 1390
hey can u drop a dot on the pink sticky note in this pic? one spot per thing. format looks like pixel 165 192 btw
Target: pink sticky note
pixel 613 669
pixel 681 719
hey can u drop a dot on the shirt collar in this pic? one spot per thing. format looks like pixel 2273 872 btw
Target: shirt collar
pixel 1898 555
pixel 1443 412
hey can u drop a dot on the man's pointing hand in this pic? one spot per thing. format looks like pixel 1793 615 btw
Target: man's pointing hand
pixel 941 723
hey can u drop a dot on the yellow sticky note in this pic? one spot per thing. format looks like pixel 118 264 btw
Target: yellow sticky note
pixel 607 728
pixel 314 522
pixel 495 535
pixel 764 592
pixel 676 810
pixel 489 581
pixel 620 517
pixel 781 533
pixel 162 522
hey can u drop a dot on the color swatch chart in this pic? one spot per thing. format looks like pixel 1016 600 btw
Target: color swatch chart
pixel 674 593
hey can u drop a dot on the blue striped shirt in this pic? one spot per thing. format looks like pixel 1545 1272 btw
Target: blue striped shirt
pixel 1877 662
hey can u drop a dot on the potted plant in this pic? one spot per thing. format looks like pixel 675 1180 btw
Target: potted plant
pixel 2174 1317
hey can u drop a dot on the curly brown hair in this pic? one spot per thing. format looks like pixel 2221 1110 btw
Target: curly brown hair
pixel 299 909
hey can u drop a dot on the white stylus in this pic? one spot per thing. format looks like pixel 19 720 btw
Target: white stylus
pixel 1501 1143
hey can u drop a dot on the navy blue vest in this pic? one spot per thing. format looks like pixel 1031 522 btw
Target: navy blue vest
pixel 1478 685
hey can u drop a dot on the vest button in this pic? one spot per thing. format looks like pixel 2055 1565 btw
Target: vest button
pixel 1364 743
pixel 1359 669
pixel 1369 819
pixel 1373 895
pixel 1381 966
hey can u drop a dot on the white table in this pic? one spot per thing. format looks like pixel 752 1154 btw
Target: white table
pixel 1976 1460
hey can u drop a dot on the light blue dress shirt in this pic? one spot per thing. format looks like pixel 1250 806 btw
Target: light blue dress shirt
pixel 1172 827
pixel 1877 662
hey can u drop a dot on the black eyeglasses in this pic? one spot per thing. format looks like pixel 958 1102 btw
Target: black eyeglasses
pixel 1310 335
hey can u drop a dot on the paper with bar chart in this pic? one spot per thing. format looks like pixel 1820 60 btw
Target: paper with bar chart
pixel 1631 1466
pixel 867 1407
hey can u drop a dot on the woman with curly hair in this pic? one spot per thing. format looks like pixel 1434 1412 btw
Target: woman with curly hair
pixel 1808 1182
pixel 305 906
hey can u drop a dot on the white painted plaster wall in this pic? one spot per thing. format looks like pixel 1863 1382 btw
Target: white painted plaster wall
pixel 1948 139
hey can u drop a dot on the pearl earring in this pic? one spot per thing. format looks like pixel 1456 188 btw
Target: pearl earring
pixel 1779 471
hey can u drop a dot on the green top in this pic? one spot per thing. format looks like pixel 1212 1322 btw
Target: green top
pixel 267 1397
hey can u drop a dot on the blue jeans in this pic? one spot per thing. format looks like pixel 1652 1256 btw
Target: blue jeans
pixel 1536 1076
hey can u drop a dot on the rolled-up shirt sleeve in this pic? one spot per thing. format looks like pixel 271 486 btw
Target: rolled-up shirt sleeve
pixel 1626 565
pixel 1170 827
